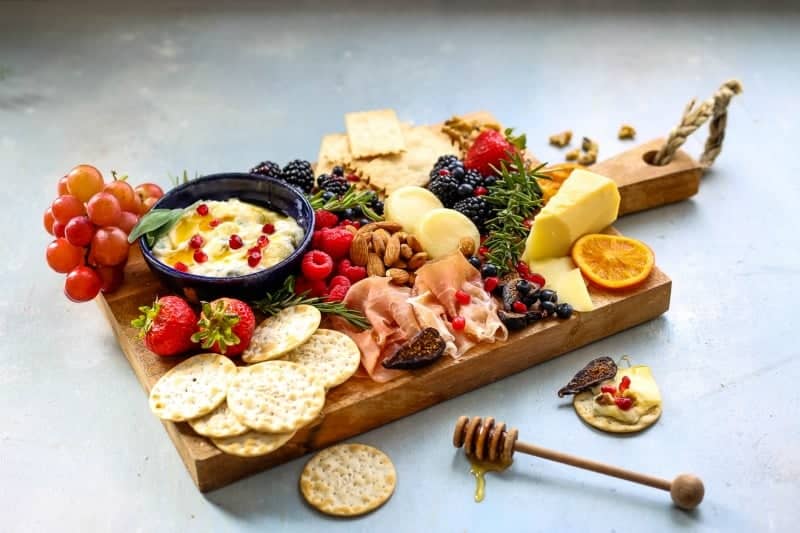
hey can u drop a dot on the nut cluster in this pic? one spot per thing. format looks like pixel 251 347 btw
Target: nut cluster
pixel 385 250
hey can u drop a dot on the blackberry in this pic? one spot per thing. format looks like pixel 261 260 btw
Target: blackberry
pixel 445 161
pixel 477 209
pixel 451 164
pixel 446 189
pixel 267 168
pixel 299 174
pixel 473 177
pixel 334 184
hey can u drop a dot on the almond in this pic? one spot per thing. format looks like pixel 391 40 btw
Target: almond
pixel 466 246
pixel 400 264
pixel 375 265
pixel 352 229
pixel 412 278
pixel 405 251
pixel 398 275
pixel 414 243
pixel 401 235
pixel 391 227
pixel 359 250
pixel 392 253
pixel 379 240
pixel 417 260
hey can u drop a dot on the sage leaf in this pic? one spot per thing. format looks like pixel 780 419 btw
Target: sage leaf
pixel 155 223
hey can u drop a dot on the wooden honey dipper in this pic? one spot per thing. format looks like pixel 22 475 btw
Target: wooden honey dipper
pixel 486 439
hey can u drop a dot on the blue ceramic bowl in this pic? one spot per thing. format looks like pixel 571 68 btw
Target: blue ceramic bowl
pixel 258 190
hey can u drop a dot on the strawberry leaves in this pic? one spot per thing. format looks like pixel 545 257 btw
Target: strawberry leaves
pixel 215 327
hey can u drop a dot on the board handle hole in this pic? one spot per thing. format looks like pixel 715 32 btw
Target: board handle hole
pixel 650 157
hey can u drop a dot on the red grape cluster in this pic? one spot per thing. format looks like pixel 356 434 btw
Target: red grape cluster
pixel 91 220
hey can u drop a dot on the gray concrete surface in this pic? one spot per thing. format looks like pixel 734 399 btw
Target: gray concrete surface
pixel 161 87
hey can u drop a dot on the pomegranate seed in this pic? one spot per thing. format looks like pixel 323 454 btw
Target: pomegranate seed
pixel 202 210
pixel 519 307
pixel 610 389
pixel 522 268
pixel 263 240
pixel 483 238
pixel 254 259
pixel 214 222
pixel 527 223
pixel 480 191
pixel 200 256
pixel 180 267
pixel 444 172
pixel 490 284
pixel 623 403
pixel 196 241
pixel 253 249
pixel 458 323
pixel 483 250
pixel 536 279
pixel 235 242
pixel 352 177
pixel 269 229
pixel 463 298
pixel 624 384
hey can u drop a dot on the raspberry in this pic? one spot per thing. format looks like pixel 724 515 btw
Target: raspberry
pixel 317 265
pixel 316 240
pixel 338 293
pixel 325 219
pixel 458 323
pixel 302 285
pixel 336 242
pixel 356 273
pixel 339 280
pixel 343 265
pixel 463 298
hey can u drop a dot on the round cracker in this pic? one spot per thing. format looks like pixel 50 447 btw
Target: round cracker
pixel 282 332
pixel 331 355
pixel 253 443
pixel 219 423
pixel 583 404
pixel 348 480
pixel 192 388
pixel 276 396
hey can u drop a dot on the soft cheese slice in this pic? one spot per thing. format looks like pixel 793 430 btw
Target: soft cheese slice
pixel 585 203
pixel 643 388
pixel 571 288
pixel 407 205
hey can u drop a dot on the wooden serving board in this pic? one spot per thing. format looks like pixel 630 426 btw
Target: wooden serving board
pixel 359 405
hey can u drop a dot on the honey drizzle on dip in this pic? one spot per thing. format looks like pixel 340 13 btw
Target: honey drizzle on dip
pixel 479 469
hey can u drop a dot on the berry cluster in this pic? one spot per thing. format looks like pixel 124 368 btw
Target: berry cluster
pixel 326 270
pixel 334 184
pixel 91 220
pixel 462 189
pixel 297 173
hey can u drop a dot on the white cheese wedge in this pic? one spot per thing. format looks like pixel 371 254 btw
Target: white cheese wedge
pixel 407 205
pixel 552 269
pixel 585 203
pixel 440 230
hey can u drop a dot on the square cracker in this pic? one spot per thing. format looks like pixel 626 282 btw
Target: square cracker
pixel 424 145
pixel 373 133
pixel 333 150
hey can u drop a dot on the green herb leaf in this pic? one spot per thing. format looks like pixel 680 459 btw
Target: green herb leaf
pixel 351 199
pixel 154 224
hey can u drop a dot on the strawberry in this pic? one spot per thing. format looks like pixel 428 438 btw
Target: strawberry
pixel 167 326
pixel 226 326
pixel 490 149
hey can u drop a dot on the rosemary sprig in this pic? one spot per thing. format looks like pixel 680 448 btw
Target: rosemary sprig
pixel 285 297
pixel 515 196
pixel 181 179
pixel 351 199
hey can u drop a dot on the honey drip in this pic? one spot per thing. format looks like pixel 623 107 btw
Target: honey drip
pixel 479 469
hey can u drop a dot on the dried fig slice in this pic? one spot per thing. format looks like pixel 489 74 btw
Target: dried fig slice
pixel 596 371
pixel 426 347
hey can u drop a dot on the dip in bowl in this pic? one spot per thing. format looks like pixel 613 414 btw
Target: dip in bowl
pixel 200 257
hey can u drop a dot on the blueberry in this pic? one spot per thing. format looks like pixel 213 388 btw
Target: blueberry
pixel 474 261
pixel 337 171
pixel 524 286
pixel 547 307
pixel 488 181
pixel 465 190
pixel 546 295
pixel 349 213
pixel 488 270
pixel 377 206
pixel 327 195
pixel 563 310
pixel 364 221
pixel 457 172
pixel 531 298
pixel 533 316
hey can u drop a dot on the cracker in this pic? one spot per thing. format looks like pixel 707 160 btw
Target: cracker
pixel 282 332
pixel 374 133
pixel 583 407
pixel 276 396
pixel 192 388
pixel 220 422
pixel 333 150
pixel 252 443
pixel 331 355
pixel 424 145
pixel 348 479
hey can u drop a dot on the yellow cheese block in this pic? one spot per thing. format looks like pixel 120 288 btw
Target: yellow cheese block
pixel 552 269
pixel 571 288
pixel 585 203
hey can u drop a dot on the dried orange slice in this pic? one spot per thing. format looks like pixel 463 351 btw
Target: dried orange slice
pixel 612 261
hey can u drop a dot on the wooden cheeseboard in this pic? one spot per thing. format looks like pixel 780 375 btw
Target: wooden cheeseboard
pixel 359 405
